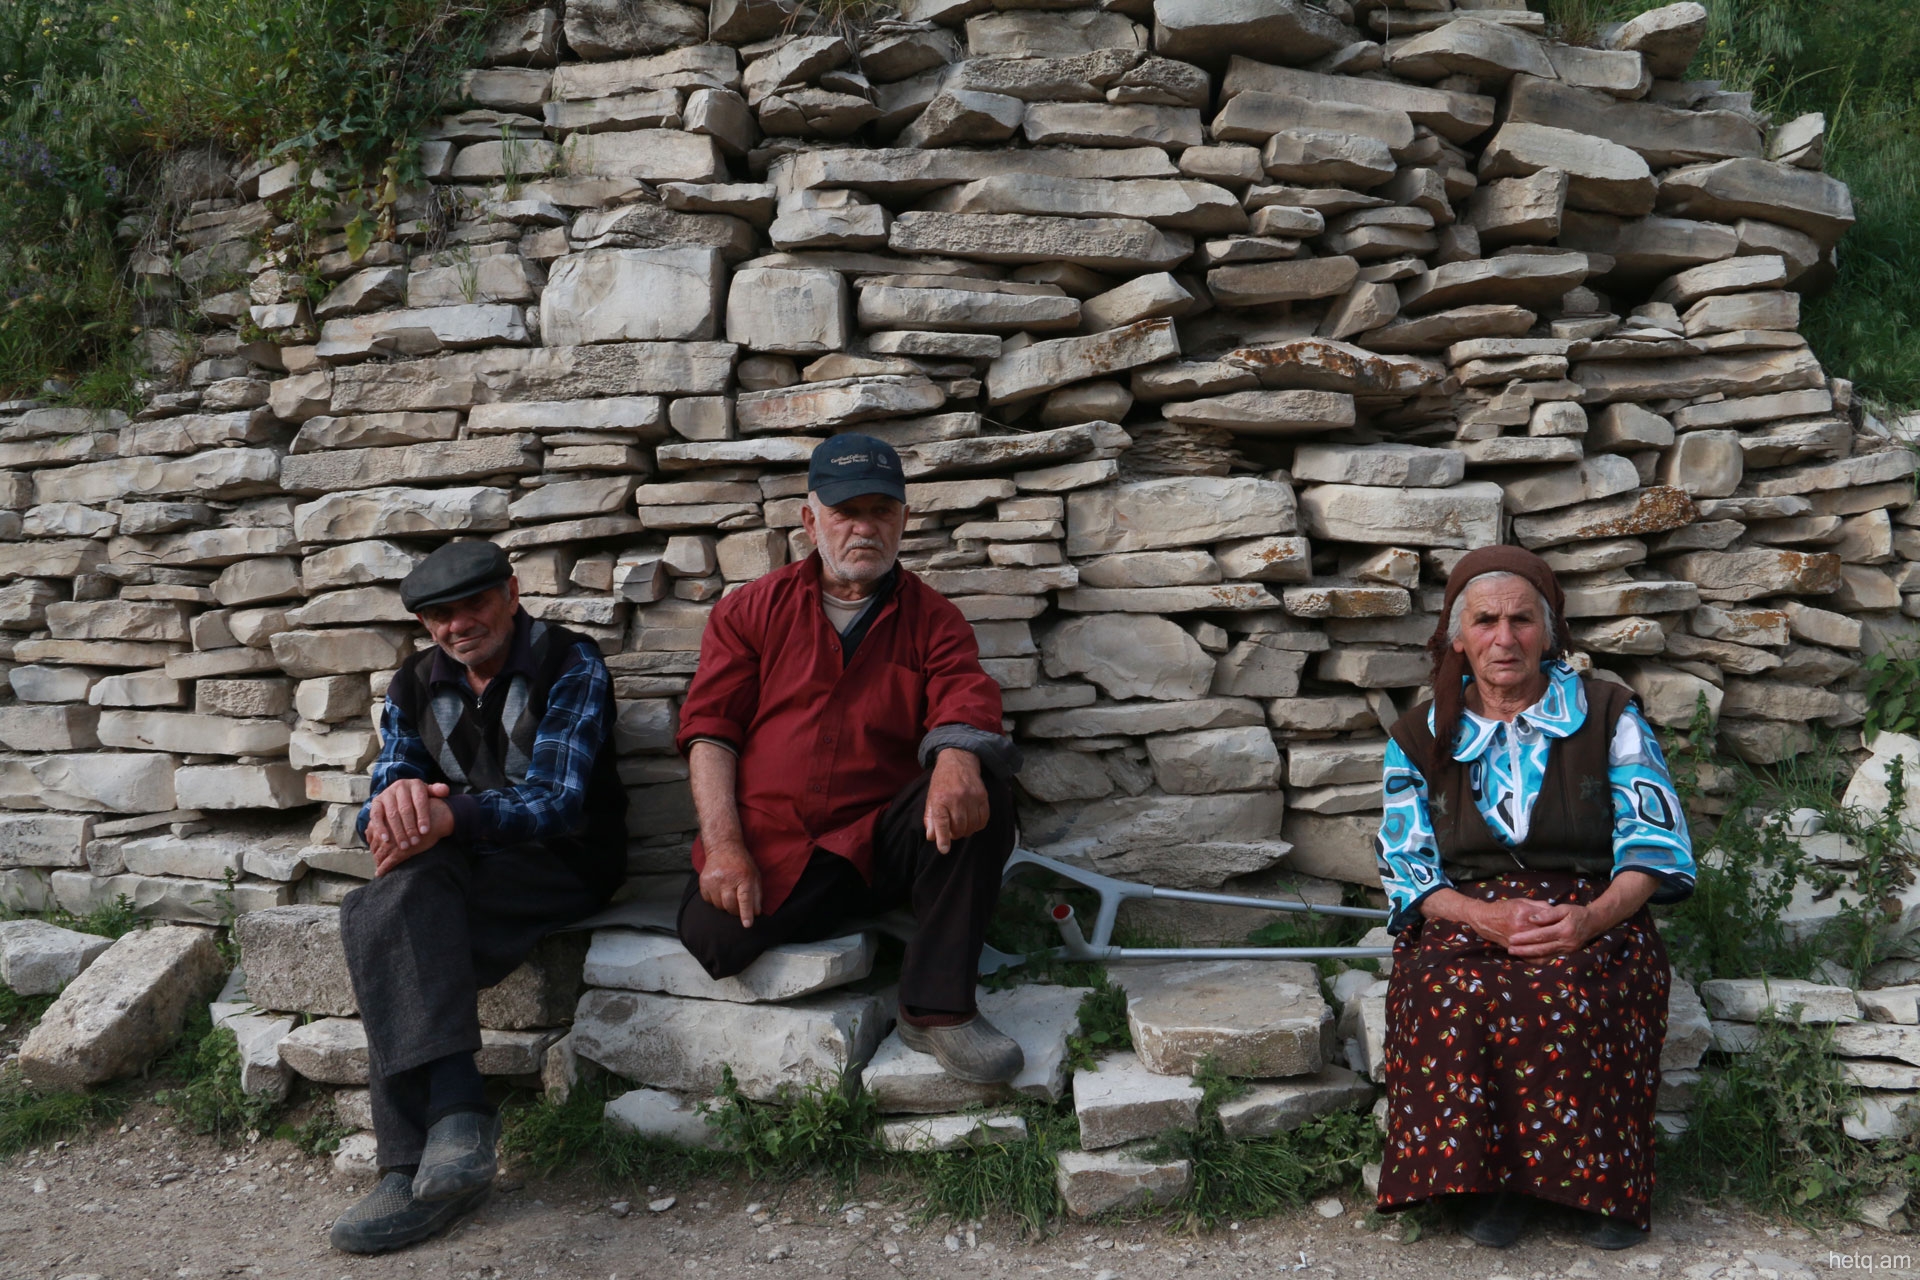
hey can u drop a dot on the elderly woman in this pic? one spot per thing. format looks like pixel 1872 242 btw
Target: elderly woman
pixel 1528 1000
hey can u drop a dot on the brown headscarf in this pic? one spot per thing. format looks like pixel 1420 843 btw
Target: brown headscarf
pixel 1449 667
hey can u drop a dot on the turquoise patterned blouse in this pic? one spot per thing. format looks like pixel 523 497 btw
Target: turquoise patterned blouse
pixel 1505 766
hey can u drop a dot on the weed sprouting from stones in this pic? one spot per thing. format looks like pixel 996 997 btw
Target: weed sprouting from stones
pixel 826 1126
pixel 1103 1024
pixel 991 1179
pixel 319 1134
pixel 1253 1177
pixel 208 1099
pixel 1768 1129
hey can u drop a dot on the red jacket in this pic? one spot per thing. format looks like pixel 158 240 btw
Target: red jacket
pixel 825 745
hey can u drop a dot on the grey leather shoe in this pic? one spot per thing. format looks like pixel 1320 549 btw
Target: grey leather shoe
pixel 391 1218
pixel 459 1156
pixel 975 1051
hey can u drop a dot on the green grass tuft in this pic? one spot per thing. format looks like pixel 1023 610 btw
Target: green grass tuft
pixel 1015 1180
pixel 573 1135
pixel 32 1117
pixel 1251 1178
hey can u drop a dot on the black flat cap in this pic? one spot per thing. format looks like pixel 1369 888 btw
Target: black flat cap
pixel 454 572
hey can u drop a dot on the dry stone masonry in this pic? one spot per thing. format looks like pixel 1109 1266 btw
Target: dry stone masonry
pixel 1211 335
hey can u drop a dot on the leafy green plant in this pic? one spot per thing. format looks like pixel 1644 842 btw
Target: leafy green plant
pixel 1730 927
pixel 1867 928
pixel 1103 1024
pixel 1768 1129
pixel 825 1126
pixel 1893 693
pixel 208 1099
pixel 319 1134
pixel 95 93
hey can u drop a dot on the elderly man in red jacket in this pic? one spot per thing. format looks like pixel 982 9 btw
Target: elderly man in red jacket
pixel 847 757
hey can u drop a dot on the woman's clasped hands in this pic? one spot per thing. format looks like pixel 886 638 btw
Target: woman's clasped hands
pixel 1534 930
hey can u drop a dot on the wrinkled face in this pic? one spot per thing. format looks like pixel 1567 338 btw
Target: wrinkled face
pixel 1503 632
pixel 475 631
pixel 858 539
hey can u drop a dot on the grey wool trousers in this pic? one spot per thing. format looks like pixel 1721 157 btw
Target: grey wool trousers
pixel 421 942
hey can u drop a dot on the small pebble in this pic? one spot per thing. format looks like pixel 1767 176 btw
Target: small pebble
pixel 1330 1207
pixel 779 1251
pixel 620 1208
pixel 663 1204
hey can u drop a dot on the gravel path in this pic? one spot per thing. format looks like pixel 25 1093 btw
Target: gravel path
pixel 147 1203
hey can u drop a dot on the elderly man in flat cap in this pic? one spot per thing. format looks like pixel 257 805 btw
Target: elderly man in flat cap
pixel 847 758
pixel 497 817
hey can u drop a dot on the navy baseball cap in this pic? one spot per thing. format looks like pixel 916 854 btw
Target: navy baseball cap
pixel 852 466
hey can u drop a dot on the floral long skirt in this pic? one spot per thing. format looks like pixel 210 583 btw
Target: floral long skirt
pixel 1535 1076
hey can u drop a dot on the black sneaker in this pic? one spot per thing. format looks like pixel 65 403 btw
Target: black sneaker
pixel 390 1218
pixel 975 1051
pixel 1496 1219
pixel 1611 1233
pixel 459 1156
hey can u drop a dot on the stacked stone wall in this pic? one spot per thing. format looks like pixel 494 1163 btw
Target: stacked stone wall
pixel 1211 336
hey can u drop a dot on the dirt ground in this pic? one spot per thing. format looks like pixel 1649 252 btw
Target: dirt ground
pixel 148 1203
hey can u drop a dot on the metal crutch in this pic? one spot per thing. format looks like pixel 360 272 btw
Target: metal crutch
pixel 1112 892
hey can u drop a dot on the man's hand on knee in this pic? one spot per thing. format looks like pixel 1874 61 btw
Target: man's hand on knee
pixel 957 804
pixel 408 818
pixel 730 882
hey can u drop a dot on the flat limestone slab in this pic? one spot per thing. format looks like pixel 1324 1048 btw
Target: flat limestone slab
pixel 112 1019
pixel 636 961
pixel 672 1042
pixel 666 1117
pixel 1276 1106
pixel 1260 1018
pixel 952 1133
pixel 1121 1100
pixel 1096 1182
pixel 37 958
pixel 334 1051
pixel 1745 999
pixel 1040 1018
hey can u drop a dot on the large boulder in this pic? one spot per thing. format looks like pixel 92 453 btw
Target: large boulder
pixel 115 1017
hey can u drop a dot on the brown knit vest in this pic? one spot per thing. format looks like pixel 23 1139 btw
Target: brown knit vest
pixel 1571 828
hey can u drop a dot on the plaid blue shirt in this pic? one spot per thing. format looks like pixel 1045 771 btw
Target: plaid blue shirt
pixel 552 800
